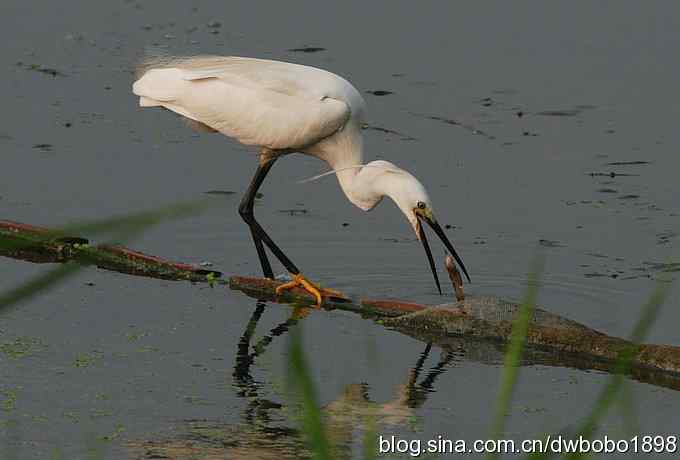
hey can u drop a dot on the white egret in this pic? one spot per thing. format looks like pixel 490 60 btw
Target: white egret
pixel 283 108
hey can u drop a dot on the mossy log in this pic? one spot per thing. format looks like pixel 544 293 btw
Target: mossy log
pixel 551 340
pixel 41 245
pixel 483 319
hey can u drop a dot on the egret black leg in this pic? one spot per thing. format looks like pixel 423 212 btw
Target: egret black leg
pixel 245 209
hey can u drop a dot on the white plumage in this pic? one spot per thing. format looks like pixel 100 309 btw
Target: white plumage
pixel 282 108
pixel 258 102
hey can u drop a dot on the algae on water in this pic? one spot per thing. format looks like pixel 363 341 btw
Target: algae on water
pixel 21 347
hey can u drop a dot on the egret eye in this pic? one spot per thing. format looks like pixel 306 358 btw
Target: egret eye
pixel 421 205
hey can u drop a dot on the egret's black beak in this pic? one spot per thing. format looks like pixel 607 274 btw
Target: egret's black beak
pixel 440 233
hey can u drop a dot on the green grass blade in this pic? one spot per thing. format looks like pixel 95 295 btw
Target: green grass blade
pixel 143 219
pixel 123 229
pixel 56 454
pixel 128 223
pixel 513 354
pixel 611 391
pixel 370 443
pixel 44 282
pixel 628 410
pixel 614 386
pixel 37 284
pixel 300 382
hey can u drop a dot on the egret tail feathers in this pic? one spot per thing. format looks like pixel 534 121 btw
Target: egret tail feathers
pixel 148 102
pixel 162 85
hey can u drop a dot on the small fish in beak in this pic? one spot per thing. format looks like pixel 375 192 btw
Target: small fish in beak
pixel 454 276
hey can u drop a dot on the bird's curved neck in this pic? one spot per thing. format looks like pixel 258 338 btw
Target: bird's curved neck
pixel 349 181
pixel 365 186
pixel 342 152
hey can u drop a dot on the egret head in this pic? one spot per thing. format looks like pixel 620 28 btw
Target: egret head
pixel 412 199
pixel 366 185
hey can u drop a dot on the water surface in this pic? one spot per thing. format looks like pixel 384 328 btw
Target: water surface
pixel 514 115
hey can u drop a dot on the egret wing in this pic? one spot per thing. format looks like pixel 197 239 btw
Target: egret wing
pixel 257 102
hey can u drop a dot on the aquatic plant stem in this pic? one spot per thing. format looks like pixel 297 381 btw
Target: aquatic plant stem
pixel 300 382
pixel 513 354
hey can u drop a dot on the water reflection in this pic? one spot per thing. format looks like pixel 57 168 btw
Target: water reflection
pixel 269 428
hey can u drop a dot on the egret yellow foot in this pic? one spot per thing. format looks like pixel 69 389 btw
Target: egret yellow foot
pixel 317 291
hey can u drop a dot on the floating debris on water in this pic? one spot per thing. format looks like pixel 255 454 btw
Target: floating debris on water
pixel 10 400
pixel 38 68
pixel 307 49
pixel 404 137
pixel 487 102
pixel 21 347
pixel 601 275
pixel 88 359
pixel 577 110
pixel 452 122
pixel 380 92
pixel 559 113
pixel 448 121
pixel 219 192
pixel 550 243
pixel 610 174
pixel 665 237
pixel 294 212
pixel 43 147
pixel 628 163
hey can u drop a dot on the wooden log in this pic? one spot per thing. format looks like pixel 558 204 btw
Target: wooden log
pixel 491 318
pixel 265 289
pixel 35 244
pixel 488 319
pixel 42 245
pixel 483 318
